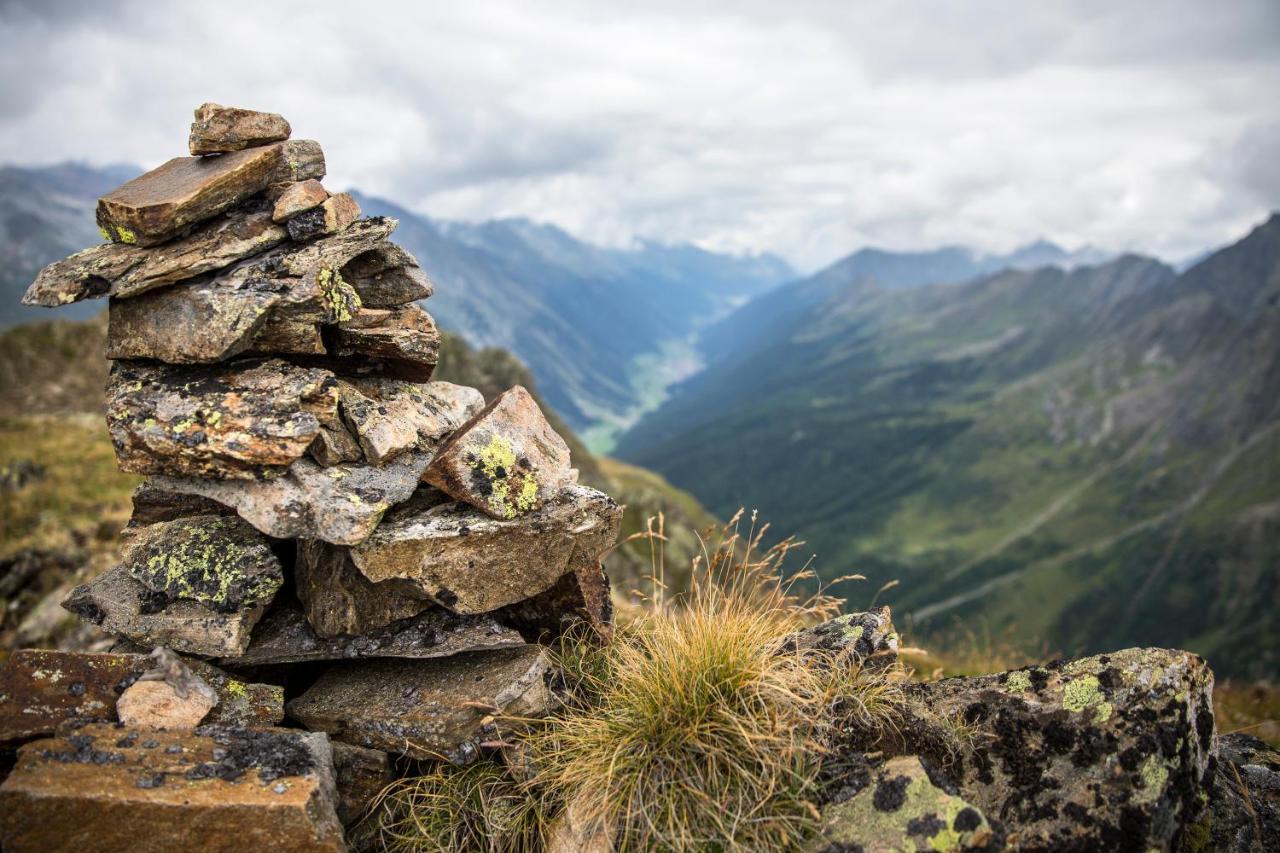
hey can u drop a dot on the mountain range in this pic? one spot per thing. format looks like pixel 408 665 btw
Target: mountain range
pixel 1082 458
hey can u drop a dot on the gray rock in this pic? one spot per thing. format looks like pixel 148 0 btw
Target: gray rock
pixel 432 709
pixel 285 636
pixel 332 215
pixel 360 775
pixel 387 276
pixel 471 563
pixel 284 336
pixel 865 640
pixel 579 598
pixel 403 342
pixel 218 129
pixel 1244 799
pixel 300 160
pixel 245 420
pixel 339 600
pixel 388 416
pixel 121 605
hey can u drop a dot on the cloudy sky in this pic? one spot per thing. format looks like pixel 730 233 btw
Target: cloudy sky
pixel 806 129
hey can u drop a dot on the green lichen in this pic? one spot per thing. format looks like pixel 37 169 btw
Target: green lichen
pixel 125 235
pixel 1082 693
pixel 1155 775
pixel 207 563
pixel 1018 682
pixel 106 235
pixel 339 298
pixel 497 461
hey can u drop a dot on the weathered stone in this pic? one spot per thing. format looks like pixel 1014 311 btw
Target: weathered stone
pixel 403 342
pixel 285 636
pixel 160 705
pixel 219 561
pixel 866 640
pixel 184 192
pixel 576 830
pixel 152 505
pixel 246 420
pixel 116 269
pixel 300 160
pixel 340 504
pixel 360 774
pixel 897 805
pixel 218 129
pixel 507 460
pixel 1105 752
pixel 334 445
pixel 440 708
pixel 123 606
pixel 1244 799
pixel 285 336
pixel 580 598
pixel 298 198
pixel 339 600
pixel 41 689
pixel 471 563
pixel 333 215
pixel 389 416
pixel 218 788
pixel 387 276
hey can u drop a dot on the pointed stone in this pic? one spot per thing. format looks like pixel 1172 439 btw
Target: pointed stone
pixel 507 460
pixel 298 198
pixel 338 600
pixel 300 160
pixel 220 788
pixel 121 605
pixel 471 563
pixel 389 416
pixel 440 708
pixel 401 343
pixel 245 420
pixel 171 199
pixel 387 276
pixel 221 562
pixel 285 636
pixel 39 690
pixel 218 129
pixel 116 269
pixel 329 217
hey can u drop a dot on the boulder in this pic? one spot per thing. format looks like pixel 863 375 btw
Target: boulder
pixel 121 605
pixel 120 270
pixel 430 709
pixel 507 460
pixel 218 129
pixel 171 199
pixel 1105 752
pixel 285 636
pixel 300 160
pixel 388 416
pixel 896 805
pixel 387 276
pixel 332 215
pixel 360 774
pixel 400 342
pixel 41 689
pixel 470 563
pixel 219 561
pixel 298 198
pixel 221 788
pixel 1244 799
pixel 866 640
pixel 245 420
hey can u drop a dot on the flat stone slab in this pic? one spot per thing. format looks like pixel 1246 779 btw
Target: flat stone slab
pixel 471 563
pixel 896 805
pixel 402 343
pixel 120 270
pixel 39 690
pixel 1104 752
pixel 170 199
pixel 246 420
pixel 507 460
pixel 219 788
pixel 219 561
pixel 285 636
pixel 121 605
pixel 218 129
pixel 430 709
pixel 387 276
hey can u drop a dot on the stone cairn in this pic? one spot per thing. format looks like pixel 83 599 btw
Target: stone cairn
pixel 319 521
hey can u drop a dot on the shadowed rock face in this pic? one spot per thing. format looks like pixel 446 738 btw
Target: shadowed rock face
pixel 360 775
pixel 218 129
pixel 580 597
pixel 106 788
pixel 330 216
pixel 426 709
pixel 185 191
pixel 1244 798
pixel 339 600
pixel 400 342
pixel 245 420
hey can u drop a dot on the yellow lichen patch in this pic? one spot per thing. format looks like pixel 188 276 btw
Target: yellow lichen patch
pixel 496 461
pixel 1086 692
pixel 1018 682
pixel 1155 775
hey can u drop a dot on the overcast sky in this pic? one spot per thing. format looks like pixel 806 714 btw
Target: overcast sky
pixel 806 129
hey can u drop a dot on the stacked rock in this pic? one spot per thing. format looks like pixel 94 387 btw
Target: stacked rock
pixel 311 497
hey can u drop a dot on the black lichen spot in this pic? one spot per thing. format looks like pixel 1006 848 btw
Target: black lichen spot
pixel 967 820
pixel 272 754
pixel 150 781
pixel 1204 727
pixel 926 825
pixel 446 596
pixel 890 794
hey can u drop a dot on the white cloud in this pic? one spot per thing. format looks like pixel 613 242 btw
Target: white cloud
pixel 805 129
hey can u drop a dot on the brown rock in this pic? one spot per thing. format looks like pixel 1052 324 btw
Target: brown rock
pixel 331 216
pixel 335 444
pixel 361 774
pixel 123 606
pixel 440 708
pixel 471 563
pixel 339 600
pixel 507 460
pixel 576 830
pixel 41 689
pixel 402 343
pixel 298 198
pixel 220 788
pixel 116 269
pixel 387 276
pixel 389 416
pixel 244 420
pixel 300 160
pixel 284 336
pixel 158 705
pixel 184 192
pixel 152 505
pixel 218 129
pixel 285 636
pixel 580 597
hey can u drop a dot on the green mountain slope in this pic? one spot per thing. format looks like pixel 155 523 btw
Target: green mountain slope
pixel 1091 457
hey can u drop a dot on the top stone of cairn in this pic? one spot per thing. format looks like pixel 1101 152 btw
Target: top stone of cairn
pixel 218 129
